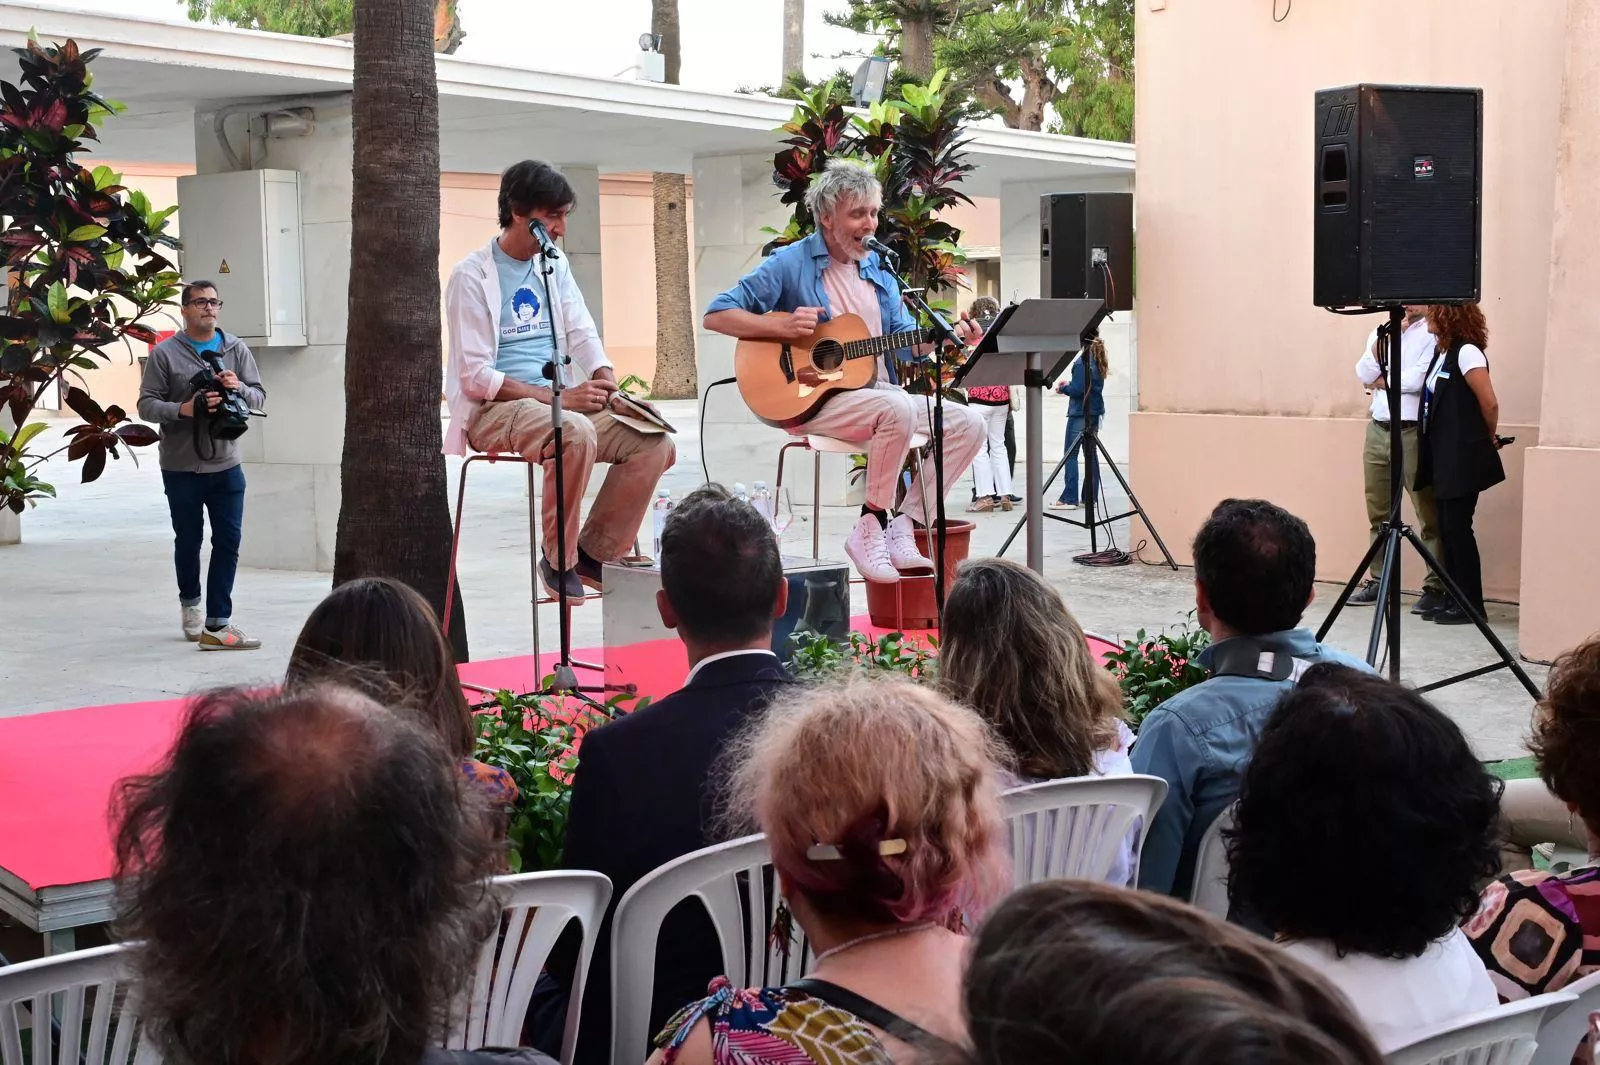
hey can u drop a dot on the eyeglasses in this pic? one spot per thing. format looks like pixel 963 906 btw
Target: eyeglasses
pixel 205 303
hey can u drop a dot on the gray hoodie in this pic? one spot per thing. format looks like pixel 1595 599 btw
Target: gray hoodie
pixel 165 386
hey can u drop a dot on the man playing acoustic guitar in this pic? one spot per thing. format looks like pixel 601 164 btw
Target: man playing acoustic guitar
pixel 830 273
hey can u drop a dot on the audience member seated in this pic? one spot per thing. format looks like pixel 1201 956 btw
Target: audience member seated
pixel 1254 564
pixel 379 636
pixel 641 796
pixel 881 805
pixel 1365 825
pixel 1539 931
pixel 301 885
pixel 1069 971
pixel 1013 651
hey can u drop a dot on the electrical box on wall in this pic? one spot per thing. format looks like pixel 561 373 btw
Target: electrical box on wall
pixel 242 230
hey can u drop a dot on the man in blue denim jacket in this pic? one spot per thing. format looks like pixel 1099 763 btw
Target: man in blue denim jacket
pixel 829 273
pixel 1254 565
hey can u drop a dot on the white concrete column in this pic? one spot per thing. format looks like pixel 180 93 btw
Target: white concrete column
pixel 1019 280
pixel 734 198
pixel 292 456
pixel 582 242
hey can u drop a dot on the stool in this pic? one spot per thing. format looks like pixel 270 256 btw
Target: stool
pixel 535 599
pixel 819 445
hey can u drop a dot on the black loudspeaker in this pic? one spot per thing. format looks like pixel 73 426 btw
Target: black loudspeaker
pixel 1078 231
pixel 1399 196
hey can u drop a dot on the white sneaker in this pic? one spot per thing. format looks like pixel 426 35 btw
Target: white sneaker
pixel 868 548
pixel 229 639
pixel 903 551
pixel 194 620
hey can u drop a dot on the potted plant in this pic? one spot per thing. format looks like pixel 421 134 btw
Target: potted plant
pixel 1152 669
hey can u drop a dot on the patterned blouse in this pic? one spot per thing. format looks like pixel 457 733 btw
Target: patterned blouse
pixel 1538 931
pixel 773 1026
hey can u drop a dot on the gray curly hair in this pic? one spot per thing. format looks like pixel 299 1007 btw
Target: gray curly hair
pixel 844 179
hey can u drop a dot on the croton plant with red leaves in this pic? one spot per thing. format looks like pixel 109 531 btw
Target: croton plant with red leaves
pixel 85 262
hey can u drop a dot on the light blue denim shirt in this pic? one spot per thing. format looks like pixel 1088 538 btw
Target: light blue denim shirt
pixel 1199 742
pixel 792 277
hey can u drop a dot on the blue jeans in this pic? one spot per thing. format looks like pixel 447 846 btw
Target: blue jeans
pixel 189 497
pixel 1091 459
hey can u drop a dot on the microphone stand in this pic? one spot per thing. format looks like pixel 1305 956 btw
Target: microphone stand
pixel 944 334
pixel 563 680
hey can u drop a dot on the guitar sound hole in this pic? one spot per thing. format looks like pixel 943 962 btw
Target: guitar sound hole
pixel 827 356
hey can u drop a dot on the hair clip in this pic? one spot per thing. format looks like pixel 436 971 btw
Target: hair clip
pixel 828 852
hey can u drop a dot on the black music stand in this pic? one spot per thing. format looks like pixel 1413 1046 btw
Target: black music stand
pixel 1012 352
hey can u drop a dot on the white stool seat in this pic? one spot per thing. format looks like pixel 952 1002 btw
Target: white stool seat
pixel 829 445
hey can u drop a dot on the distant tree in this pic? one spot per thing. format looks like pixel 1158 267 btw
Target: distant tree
pixel 315 18
pixel 1073 59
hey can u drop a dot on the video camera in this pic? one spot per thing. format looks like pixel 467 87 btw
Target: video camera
pixel 231 417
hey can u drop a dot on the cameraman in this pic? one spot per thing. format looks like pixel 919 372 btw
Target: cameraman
pixel 201 469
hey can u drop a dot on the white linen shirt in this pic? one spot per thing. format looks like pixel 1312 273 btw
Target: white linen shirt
pixel 1416 348
pixel 472 311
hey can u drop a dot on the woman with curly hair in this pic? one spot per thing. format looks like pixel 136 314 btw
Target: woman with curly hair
pixel 1459 445
pixel 1070 971
pixel 1539 931
pixel 880 804
pixel 1355 777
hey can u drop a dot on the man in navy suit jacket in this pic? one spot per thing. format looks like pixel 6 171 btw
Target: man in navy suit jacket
pixel 645 791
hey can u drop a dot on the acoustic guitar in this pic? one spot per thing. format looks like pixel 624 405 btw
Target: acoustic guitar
pixel 785 381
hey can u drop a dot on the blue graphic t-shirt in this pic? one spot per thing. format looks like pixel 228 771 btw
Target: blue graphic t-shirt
pixel 203 346
pixel 527 343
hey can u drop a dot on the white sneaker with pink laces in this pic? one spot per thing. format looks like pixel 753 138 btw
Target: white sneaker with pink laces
pixel 868 548
pixel 903 551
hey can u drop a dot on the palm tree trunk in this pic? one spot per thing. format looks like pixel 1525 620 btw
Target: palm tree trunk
pixel 794 37
pixel 394 513
pixel 676 375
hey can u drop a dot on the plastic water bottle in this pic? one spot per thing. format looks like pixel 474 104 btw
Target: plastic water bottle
pixel 761 499
pixel 659 511
pixel 739 493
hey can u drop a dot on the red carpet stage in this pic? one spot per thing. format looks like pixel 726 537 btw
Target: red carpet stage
pixel 58 769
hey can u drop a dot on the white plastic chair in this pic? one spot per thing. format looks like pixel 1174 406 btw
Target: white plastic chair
pixel 1505 1035
pixel 1564 1027
pixel 736 884
pixel 1076 827
pixel 1209 891
pixel 492 1009
pixel 74 1008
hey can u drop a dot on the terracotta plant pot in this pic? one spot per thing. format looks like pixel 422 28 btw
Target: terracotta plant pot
pixel 909 604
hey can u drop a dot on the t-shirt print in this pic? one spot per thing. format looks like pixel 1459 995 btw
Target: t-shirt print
pixel 527 316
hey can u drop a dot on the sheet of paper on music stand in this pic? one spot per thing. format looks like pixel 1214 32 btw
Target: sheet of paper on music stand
pixel 1054 328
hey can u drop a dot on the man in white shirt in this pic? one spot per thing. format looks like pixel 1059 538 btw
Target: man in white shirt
pixel 1416 348
pixel 502 345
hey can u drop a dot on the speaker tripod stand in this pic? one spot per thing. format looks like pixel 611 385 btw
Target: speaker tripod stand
pixel 1088 443
pixel 1394 532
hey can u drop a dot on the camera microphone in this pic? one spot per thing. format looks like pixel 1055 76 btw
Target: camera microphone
pixel 541 237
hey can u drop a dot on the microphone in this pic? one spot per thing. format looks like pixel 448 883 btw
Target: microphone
pixel 874 244
pixel 541 237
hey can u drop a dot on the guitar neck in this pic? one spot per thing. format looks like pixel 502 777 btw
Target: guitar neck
pixel 874 346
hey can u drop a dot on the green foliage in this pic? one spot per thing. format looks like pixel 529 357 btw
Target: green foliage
pixel 534 738
pixel 1072 58
pixel 85 262
pixel 1152 669
pixel 914 144
pixel 305 18
pixel 816 657
pixel 635 386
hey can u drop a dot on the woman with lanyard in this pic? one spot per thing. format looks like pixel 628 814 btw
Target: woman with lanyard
pixel 1458 446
